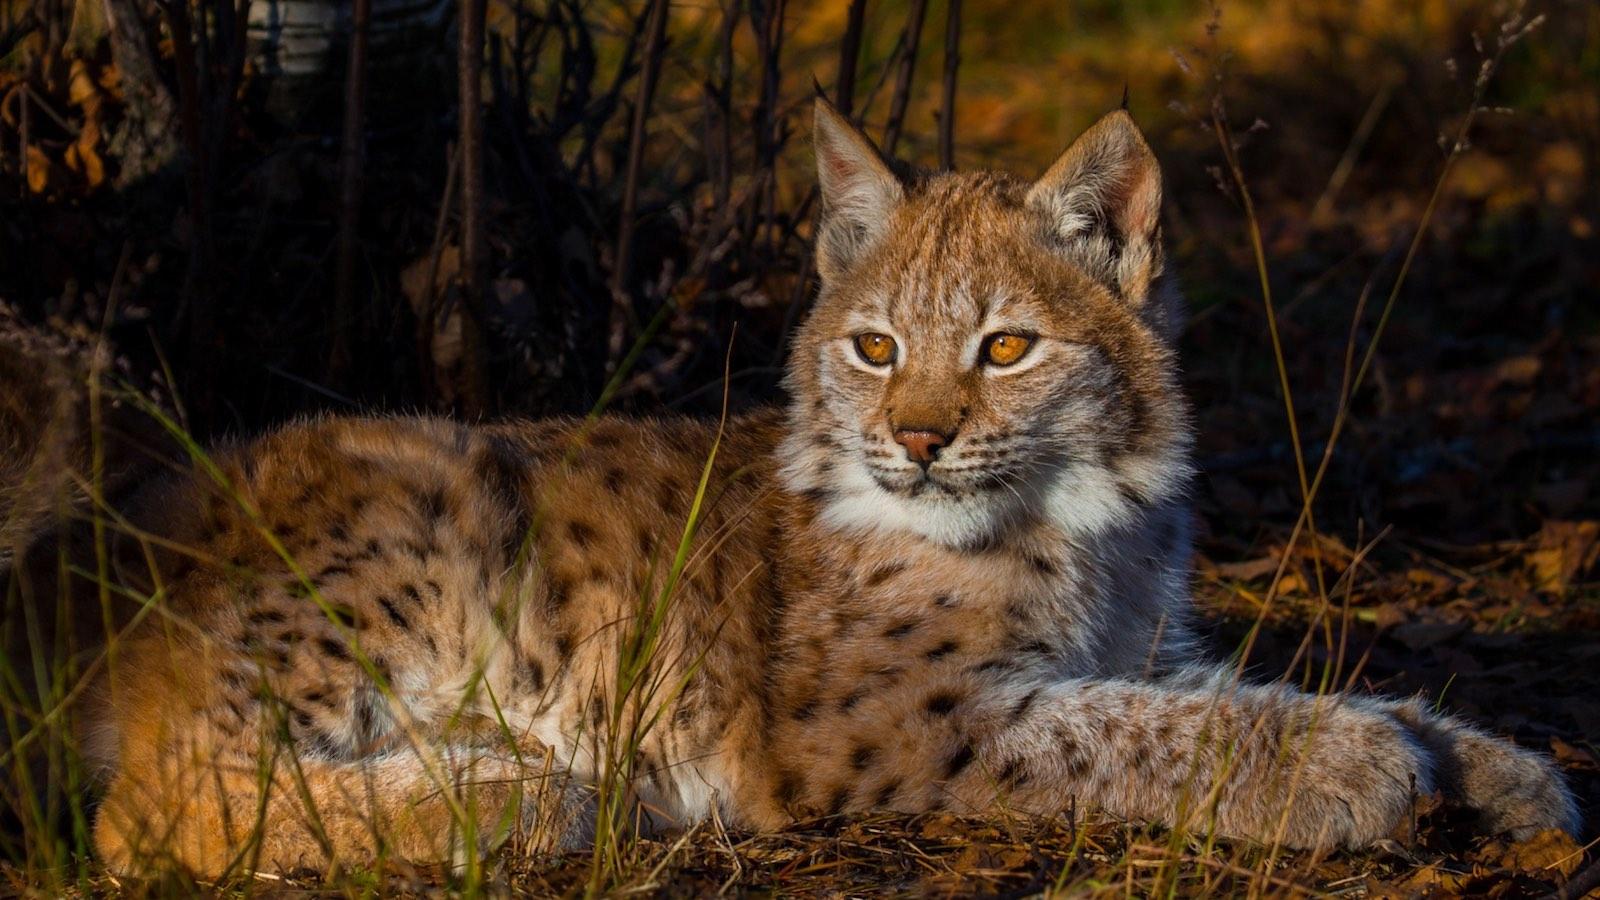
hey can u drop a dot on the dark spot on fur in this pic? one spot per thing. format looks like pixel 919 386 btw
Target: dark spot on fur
pixel 1130 494
pixel 614 479
pixel 885 794
pixel 944 649
pixel 264 617
pixel 394 614
pixel 941 703
pixel 560 592
pixel 433 588
pixel 410 592
pixel 1077 767
pixel 944 601
pixel 817 495
pixel 502 469
pixel 1012 774
pixel 432 504
pixel 346 616
pixel 330 571
pixel 667 495
pixel 851 699
pixel 334 649
pixel 535 672
pixel 339 531
pixel 580 533
pixel 958 762
pixel 994 665
pixel 787 789
pixel 366 719
pixel 1021 709
pixel 805 711
pixel 837 799
pixel 646 542
pixel 564 647
pixel 862 756
pixel 1043 565
pixel 900 630
pixel 884 573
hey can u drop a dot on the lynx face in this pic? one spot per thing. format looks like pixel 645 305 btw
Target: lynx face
pixel 985 351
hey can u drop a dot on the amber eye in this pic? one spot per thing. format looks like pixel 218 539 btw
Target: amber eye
pixel 876 349
pixel 1005 349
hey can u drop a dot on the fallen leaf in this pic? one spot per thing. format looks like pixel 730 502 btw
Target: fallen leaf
pixel 1250 569
pixel 1563 551
pixel 1551 849
pixel 1569 755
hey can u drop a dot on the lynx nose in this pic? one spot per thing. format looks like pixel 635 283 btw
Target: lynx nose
pixel 922 446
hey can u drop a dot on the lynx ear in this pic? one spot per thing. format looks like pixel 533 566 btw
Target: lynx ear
pixel 858 191
pixel 1103 201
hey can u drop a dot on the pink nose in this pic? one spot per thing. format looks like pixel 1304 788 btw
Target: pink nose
pixel 921 446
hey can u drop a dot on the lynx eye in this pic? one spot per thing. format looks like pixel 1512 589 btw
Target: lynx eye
pixel 1005 349
pixel 876 349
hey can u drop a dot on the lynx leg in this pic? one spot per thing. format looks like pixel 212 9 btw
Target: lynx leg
pixel 1261 763
pixel 235 815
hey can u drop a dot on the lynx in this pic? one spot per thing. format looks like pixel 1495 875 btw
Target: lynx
pixel 951 574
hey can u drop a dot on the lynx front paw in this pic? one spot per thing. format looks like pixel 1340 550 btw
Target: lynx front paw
pixel 1347 778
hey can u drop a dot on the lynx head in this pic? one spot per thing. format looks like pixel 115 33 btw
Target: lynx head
pixel 986 352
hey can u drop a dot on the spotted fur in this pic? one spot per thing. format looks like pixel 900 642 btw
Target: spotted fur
pixel 372 632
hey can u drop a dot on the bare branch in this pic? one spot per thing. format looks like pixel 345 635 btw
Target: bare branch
pixel 902 81
pixel 947 104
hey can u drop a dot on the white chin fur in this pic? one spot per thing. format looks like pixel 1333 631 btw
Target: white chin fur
pixel 860 504
pixel 1081 499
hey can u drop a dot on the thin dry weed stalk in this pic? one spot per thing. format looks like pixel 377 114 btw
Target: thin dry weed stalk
pixel 1513 28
